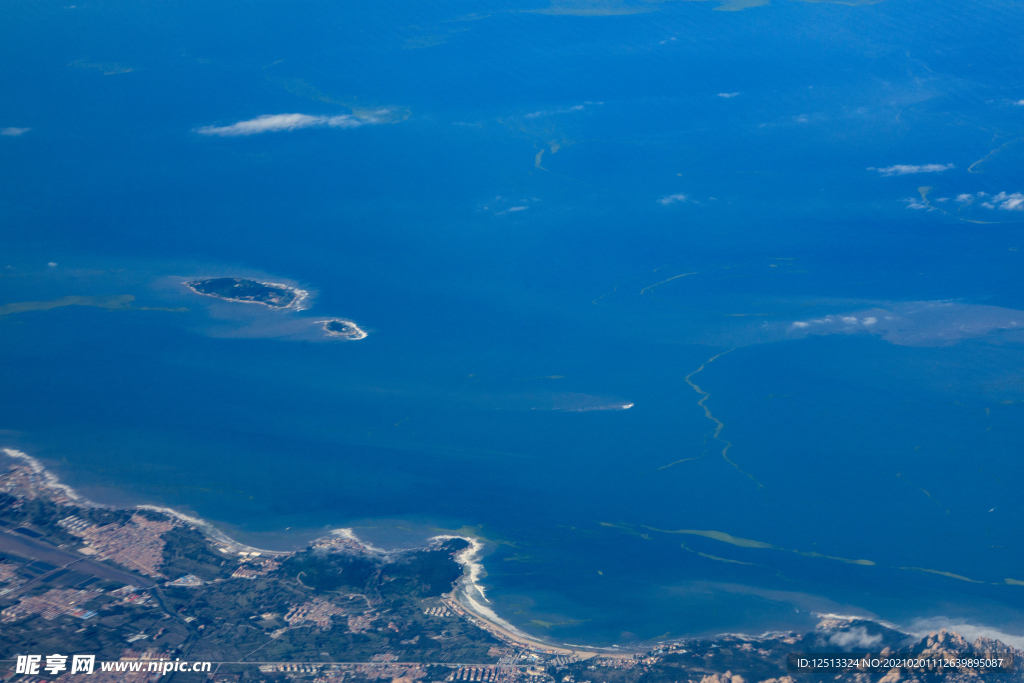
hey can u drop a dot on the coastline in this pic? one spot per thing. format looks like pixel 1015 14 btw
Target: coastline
pixel 479 646
pixel 50 481
pixel 468 597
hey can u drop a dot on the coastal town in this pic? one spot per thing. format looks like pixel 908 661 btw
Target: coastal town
pixel 141 588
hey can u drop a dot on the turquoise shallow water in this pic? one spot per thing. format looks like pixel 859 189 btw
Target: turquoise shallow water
pixel 546 213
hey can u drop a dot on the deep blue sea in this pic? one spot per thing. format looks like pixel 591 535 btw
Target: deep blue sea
pixel 541 212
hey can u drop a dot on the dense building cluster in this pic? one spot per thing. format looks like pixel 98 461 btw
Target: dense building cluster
pixel 129 596
pixel 487 674
pixel 338 543
pixel 51 604
pixel 137 544
pixel 255 569
pixel 440 611
pixel 27 480
pixel 360 623
pixel 9 578
pixel 317 611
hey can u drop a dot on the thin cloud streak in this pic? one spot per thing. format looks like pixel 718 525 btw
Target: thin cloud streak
pixel 904 169
pixel 560 110
pixel 273 123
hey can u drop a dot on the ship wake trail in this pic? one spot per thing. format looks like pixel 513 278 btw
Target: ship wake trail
pixel 719 425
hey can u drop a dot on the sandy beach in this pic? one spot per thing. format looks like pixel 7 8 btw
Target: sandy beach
pixel 469 598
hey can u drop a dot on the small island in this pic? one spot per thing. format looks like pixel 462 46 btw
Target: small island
pixel 270 294
pixel 342 329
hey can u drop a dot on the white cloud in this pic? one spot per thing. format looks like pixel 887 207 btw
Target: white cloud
pixel 915 203
pixel 346 121
pixel 856 637
pixel 1019 103
pixel 904 169
pixel 829 323
pixel 672 199
pixel 14 132
pixel 728 94
pixel 563 110
pixel 916 323
pixel 517 205
pixel 1006 202
pixel 272 123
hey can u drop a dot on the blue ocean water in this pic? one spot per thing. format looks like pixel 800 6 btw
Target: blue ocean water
pixel 546 213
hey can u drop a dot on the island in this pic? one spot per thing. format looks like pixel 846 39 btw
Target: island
pixel 342 329
pixel 272 294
